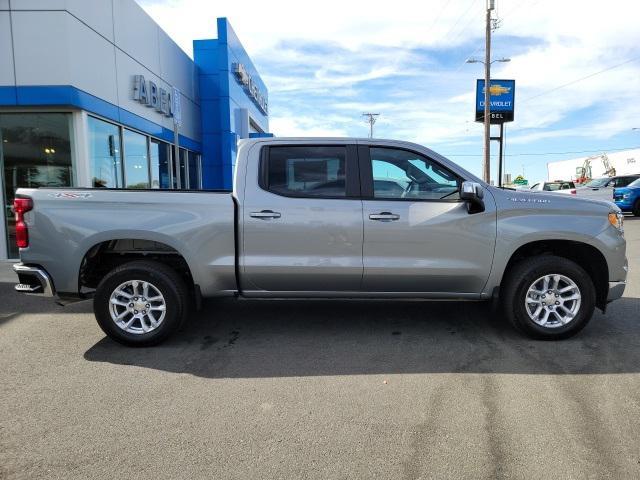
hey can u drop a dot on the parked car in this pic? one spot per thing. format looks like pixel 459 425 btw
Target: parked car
pixel 558 186
pixel 628 198
pixel 332 218
pixel 602 188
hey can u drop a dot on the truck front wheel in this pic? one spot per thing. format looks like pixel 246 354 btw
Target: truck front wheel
pixel 636 208
pixel 141 303
pixel 548 297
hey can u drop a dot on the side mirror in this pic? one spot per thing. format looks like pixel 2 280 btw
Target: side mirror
pixel 473 193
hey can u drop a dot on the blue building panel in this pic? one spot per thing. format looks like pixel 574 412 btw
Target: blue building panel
pixel 8 96
pixel 225 100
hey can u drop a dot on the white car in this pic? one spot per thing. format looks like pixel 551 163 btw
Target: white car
pixel 559 186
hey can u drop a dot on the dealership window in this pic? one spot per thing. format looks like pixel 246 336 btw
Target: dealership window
pixel 195 182
pixel 160 158
pixel 120 157
pixel 35 151
pixel 183 169
pixel 104 154
pixel 136 161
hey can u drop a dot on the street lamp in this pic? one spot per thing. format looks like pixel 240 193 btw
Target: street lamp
pixel 500 60
pixel 487 124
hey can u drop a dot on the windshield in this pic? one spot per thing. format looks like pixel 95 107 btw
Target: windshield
pixel 597 182
pixel 635 183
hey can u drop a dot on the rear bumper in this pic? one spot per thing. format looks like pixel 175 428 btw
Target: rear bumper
pixel 33 280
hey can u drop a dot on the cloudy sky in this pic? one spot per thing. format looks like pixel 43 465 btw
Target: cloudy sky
pixel 576 64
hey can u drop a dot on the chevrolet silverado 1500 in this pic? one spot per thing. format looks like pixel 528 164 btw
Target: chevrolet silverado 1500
pixel 330 217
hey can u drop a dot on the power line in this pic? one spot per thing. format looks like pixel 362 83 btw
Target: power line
pixel 573 82
pixel 546 153
pixel 444 7
pixel 459 18
pixel 463 29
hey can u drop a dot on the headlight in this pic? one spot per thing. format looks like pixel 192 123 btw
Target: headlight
pixel 617 220
pixel 626 195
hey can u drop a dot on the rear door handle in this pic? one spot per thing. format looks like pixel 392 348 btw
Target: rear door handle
pixel 265 214
pixel 384 216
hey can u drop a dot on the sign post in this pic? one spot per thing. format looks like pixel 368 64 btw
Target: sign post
pixel 501 105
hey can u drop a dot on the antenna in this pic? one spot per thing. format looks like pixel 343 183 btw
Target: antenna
pixel 371 120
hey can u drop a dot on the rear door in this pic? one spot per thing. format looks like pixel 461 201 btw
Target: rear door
pixel 302 220
pixel 418 235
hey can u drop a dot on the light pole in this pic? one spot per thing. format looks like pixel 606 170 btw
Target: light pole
pixel 486 166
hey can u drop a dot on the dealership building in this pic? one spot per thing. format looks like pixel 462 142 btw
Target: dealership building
pixel 95 94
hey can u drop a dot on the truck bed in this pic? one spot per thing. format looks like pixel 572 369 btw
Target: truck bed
pixel 67 223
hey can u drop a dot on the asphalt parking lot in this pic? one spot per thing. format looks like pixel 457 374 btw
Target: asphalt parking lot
pixel 320 389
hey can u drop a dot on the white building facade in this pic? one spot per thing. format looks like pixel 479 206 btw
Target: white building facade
pixel 90 91
pixel 625 162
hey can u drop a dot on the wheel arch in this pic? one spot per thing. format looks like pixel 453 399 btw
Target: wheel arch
pixel 105 255
pixel 583 254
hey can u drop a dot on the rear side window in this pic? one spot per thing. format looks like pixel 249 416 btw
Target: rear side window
pixel 307 171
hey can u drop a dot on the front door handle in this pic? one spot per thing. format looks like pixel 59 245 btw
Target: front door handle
pixel 265 214
pixel 384 216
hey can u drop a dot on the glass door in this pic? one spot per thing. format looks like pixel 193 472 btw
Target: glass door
pixel 36 152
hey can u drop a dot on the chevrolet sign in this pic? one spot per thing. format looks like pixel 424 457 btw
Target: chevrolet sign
pixel 244 78
pixel 501 97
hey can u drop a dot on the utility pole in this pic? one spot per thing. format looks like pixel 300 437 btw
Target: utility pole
pixel 486 167
pixel 371 119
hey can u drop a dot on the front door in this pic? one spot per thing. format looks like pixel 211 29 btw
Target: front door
pixel 302 220
pixel 418 235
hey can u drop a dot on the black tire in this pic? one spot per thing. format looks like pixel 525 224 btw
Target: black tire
pixel 165 280
pixel 521 276
pixel 636 208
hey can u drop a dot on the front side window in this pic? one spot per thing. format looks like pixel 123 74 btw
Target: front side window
pixel 401 174
pixel 310 171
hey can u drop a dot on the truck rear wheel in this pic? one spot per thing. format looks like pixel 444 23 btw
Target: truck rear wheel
pixel 141 303
pixel 548 297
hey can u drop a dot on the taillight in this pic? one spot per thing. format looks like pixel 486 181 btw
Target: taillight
pixel 20 207
pixel 573 191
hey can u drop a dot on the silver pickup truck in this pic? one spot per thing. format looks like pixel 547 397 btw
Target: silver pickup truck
pixel 330 217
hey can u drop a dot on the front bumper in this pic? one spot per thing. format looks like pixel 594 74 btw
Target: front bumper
pixel 616 289
pixel 33 280
pixel 624 204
